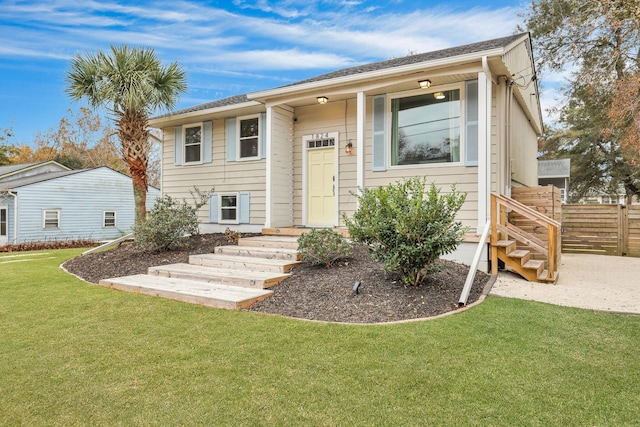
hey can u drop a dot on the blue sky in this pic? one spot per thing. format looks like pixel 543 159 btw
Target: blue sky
pixel 227 47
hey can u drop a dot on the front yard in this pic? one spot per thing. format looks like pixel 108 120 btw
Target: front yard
pixel 73 353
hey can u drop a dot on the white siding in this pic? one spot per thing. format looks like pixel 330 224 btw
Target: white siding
pixel 81 199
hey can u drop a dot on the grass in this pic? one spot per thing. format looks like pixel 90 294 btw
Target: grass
pixel 75 354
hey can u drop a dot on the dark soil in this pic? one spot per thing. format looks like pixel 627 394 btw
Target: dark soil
pixel 313 292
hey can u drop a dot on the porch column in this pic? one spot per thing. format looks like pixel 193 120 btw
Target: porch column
pixel 360 132
pixel 269 178
pixel 484 144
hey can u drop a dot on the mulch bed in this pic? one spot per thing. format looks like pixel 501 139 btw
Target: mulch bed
pixel 313 292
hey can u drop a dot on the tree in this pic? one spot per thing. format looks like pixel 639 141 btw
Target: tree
pixel 131 84
pixel 600 40
pixel 6 150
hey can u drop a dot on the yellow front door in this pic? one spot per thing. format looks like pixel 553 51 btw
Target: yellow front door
pixel 321 186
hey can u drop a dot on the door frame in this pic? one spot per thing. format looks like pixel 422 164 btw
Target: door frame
pixel 305 176
pixel 4 240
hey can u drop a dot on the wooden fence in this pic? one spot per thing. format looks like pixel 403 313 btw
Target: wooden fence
pixel 601 229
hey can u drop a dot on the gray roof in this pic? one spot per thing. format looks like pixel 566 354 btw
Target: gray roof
pixel 360 69
pixel 34 179
pixel 414 59
pixel 560 168
pixel 8 169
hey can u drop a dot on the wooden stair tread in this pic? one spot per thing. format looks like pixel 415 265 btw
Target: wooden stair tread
pixel 243 262
pixel 285 242
pixel 533 264
pixel 259 252
pixel 226 276
pixel 519 253
pixel 208 294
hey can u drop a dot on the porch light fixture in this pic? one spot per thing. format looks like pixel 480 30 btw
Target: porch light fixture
pixel 425 84
pixel 322 99
pixel 348 148
pixel 439 95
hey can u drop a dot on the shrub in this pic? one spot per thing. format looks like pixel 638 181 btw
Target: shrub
pixel 169 221
pixel 323 246
pixel 408 227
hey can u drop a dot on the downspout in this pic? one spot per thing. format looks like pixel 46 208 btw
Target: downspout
pixel 15 216
pixel 484 148
pixel 507 131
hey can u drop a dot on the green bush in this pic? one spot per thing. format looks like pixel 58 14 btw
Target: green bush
pixel 169 221
pixel 407 226
pixel 323 246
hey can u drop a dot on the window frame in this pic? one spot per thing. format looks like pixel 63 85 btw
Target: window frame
pixel 239 138
pixel 44 219
pixel 406 94
pixel 236 208
pixel 104 219
pixel 185 145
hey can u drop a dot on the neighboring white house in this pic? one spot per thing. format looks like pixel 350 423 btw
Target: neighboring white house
pixel 556 172
pixel 47 201
pixel 296 155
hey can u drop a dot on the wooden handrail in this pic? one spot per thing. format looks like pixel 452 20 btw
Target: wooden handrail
pixel 499 223
pixel 525 210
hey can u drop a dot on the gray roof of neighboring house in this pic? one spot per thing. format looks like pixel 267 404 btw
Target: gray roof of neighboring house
pixel 560 168
pixel 34 179
pixel 360 69
pixel 6 170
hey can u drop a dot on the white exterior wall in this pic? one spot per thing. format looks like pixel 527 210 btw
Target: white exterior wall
pixel 221 175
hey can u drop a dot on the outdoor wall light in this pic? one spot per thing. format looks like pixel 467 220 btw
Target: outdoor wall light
pixel 425 84
pixel 348 148
pixel 322 99
pixel 439 95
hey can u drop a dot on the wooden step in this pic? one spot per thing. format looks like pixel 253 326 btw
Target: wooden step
pixel 508 245
pixel 283 242
pixel 259 252
pixel 207 294
pixel 534 264
pixel 542 277
pixel 225 276
pixel 243 263
pixel 297 231
pixel 522 254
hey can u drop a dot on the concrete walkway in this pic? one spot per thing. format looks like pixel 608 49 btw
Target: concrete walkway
pixel 597 282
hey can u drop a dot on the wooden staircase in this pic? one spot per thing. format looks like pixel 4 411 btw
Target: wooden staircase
pixel 233 277
pixel 520 250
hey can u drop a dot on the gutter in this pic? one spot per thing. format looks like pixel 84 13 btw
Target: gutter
pixel 168 118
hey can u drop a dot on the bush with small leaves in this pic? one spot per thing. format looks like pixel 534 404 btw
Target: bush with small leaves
pixel 323 247
pixel 407 226
pixel 169 221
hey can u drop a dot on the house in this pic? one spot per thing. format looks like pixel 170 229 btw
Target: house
pixel 556 172
pixel 48 201
pixel 295 155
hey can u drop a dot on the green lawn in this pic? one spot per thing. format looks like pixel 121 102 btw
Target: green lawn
pixel 73 353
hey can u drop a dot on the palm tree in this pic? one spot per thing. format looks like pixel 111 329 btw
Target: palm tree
pixel 131 83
